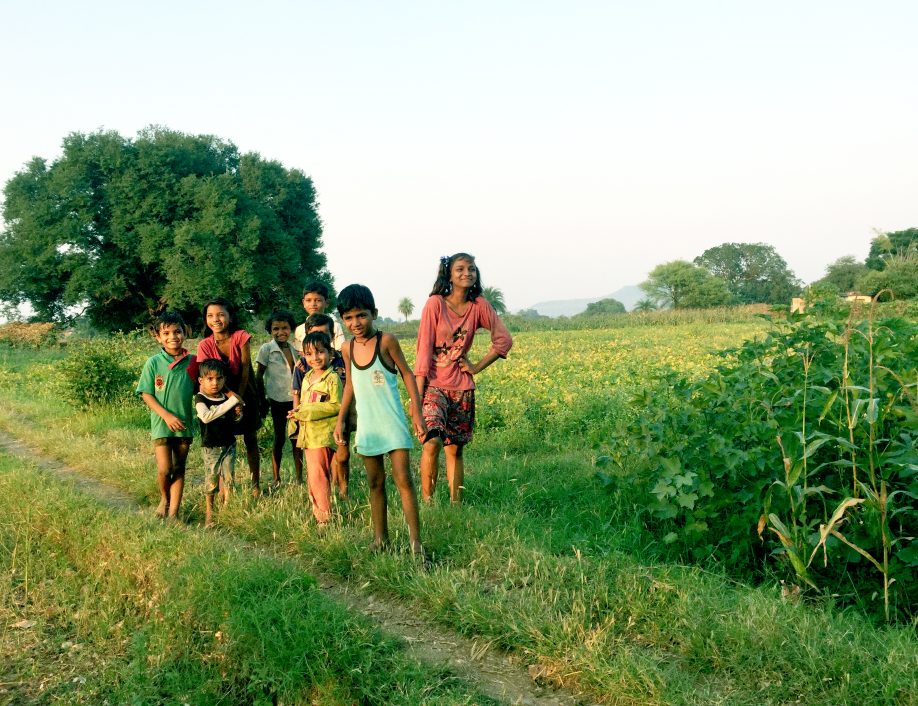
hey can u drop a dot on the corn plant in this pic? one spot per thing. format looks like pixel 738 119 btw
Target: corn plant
pixel 806 436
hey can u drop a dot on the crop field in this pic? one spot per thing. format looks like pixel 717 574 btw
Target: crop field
pixel 554 558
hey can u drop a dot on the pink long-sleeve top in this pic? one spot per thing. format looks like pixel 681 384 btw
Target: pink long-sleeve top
pixel 444 338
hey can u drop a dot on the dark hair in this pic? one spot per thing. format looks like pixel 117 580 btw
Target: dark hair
pixel 233 324
pixel 320 320
pixel 443 286
pixel 212 365
pixel 317 338
pixel 355 296
pixel 280 315
pixel 318 287
pixel 168 318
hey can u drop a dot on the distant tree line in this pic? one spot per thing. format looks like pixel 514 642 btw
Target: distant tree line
pixel 891 268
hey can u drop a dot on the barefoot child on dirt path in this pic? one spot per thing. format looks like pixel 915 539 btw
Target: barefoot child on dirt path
pixel 445 377
pixel 341 466
pixel 372 359
pixel 218 409
pixel 225 341
pixel 274 364
pixel 167 390
pixel 317 413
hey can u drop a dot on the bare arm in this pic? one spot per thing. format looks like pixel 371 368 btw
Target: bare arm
pixel 394 350
pixel 347 399
pixel 489 358
pixel 246 353
pixel 173 422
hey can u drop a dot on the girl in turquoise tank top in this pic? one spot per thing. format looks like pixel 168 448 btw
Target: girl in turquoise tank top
pixel 373 359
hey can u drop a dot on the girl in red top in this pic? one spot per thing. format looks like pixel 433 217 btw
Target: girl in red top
pixel 225 341
pixel 445 377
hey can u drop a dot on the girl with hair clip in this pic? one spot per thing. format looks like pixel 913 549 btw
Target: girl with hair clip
pixel 453 313
pixel 224 340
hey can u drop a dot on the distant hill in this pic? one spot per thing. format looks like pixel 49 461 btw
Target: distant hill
pixel 629 296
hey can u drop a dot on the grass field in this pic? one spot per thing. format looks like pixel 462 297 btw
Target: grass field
pixel 542 560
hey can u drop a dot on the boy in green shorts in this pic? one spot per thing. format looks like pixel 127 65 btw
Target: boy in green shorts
pixel 168 391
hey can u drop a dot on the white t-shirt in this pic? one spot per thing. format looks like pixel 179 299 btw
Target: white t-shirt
pixel 300 334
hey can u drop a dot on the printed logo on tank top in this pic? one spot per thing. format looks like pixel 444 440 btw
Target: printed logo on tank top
pixel 378 378
pixel 159 382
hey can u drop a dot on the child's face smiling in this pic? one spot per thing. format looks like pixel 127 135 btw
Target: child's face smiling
pixel 463 274
pixel 280 331
pixel 211 383
pixel 317 357
pixel 359 322
pixel 171 337
pixel 314 303
pixel 217 319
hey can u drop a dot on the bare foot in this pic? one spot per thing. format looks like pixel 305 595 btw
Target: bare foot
pixel 256 492
pixel 162 508
pixel 420 556
pixel 377 546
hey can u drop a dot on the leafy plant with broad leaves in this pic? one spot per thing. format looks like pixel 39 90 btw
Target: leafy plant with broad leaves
pixel 798 453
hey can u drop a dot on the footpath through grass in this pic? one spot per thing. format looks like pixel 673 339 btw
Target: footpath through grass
pixel 539 561
pixel 99 605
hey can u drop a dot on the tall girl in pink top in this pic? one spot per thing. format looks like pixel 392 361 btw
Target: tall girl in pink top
pixel 445 376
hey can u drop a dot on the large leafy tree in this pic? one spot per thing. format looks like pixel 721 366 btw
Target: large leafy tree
pixel 753 272
pixel 844 273
pixel 604 306
pixel 887 245
pixel 124 228
pixel 681 285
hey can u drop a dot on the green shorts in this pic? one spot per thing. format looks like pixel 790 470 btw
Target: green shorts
pixel 218 464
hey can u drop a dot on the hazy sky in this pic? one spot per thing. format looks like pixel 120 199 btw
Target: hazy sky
pixel 570 146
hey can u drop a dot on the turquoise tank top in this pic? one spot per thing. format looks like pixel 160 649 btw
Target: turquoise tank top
pixel 381 425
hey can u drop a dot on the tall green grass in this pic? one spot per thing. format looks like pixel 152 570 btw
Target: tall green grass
pixel 542 562
pixel 100 605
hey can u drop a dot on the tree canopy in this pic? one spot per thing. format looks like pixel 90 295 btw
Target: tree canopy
pixel 844 274
pixel 604 306
pixel 753 272
pixel 496 297
pixel 129 227
pixel 405 307
pixel 682 285
pixel 887 245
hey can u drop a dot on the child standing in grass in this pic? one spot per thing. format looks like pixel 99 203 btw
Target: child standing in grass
pixel 315 300
pixel 317 412
pixel 373 359
pixel 445 376
pixel 167 390
pixel 341 466
pixel 218 409
pixel 225 341
pixel 275 363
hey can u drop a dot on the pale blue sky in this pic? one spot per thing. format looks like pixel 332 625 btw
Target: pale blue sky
pixel 570 146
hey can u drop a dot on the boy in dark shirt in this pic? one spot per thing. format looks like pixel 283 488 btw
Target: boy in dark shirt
pixel 218 409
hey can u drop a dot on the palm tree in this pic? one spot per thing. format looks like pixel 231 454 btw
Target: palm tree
pixel 496 297
pixel 405 307
pixel 645 305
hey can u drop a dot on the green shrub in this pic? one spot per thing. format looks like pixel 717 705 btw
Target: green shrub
pixel 800 448
pixel 100 371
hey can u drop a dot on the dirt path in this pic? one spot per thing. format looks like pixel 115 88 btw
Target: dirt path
pixel 489 670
